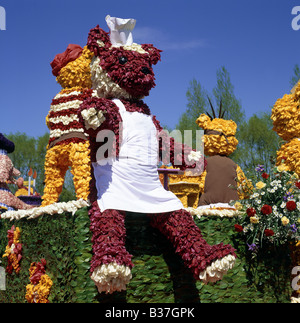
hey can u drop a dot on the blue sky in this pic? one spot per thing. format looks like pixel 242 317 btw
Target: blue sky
pixel 254 40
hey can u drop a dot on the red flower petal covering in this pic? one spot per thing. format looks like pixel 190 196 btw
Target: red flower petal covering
pixel 109 234
pixel 136 106
pixel 181 230
pixel 57 112
pixel 95 35
pixel 266 209
pixel 60 60
pixel 38 271
pixel 291 205
pixel 128 76
pixel 154 53
pixel 68 141
pixel 269 232
pixel 13 250
pixel 86 93
pixel 176 153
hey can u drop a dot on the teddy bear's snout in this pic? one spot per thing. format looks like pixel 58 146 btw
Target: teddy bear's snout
pixel 145 70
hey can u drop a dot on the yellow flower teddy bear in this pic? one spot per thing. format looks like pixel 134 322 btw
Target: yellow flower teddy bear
pixel 223 180
pixel 68 144
pixel 286 122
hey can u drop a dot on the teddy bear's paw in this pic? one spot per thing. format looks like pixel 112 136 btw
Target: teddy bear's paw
pixel 217 269
pixel 111 277
pixel 92 118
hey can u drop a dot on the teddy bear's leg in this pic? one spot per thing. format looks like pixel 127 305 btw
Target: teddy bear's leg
pixel 207 262
pixel 111 263
pixel 56 166
pixel 80 168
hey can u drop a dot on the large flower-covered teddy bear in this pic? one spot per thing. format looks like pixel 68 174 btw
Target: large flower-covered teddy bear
pixel 8 174
pixel 125 140
pixel 223 180
pixel 68 144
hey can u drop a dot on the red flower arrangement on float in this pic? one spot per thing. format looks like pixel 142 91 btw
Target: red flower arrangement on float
pixel 271 214
pixel 40 283
pixel 13 250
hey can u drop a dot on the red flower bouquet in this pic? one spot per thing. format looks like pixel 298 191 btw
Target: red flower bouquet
pixel 270 215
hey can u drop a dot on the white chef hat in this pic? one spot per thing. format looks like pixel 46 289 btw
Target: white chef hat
pixel 120 30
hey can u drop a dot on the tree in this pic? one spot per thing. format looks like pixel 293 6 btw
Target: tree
pixel 296 77
pixel 258 143
pixel 198 103
pixel 30 153
pixel 225 91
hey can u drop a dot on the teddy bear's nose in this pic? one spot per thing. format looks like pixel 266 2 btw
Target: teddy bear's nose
pixel 145 70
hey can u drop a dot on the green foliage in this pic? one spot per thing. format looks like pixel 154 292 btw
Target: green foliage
pixel 198 103
pixel 159 275
pixel 64 241
pixel 30 153
pixel 296 77
pixel 258 143
pixel 225 91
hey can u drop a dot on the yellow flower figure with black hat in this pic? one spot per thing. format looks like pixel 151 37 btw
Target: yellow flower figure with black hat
pixel 223 180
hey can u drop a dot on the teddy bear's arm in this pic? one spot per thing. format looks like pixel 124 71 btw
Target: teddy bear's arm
pixel 92 112
pixel 6 167
pixel 179 155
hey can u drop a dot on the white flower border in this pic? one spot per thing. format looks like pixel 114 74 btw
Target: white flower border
pixel 56 208
pixel 218 209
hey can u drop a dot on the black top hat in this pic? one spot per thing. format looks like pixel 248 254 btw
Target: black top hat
pixel 6 144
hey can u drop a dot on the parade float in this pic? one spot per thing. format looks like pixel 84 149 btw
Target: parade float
pixel 122 244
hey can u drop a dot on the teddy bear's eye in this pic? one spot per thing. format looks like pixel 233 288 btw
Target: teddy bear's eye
pixel 123 60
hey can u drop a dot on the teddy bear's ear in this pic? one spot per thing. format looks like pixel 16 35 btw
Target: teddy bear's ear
pixel 203 121
pixel 154 53
pixel 98 40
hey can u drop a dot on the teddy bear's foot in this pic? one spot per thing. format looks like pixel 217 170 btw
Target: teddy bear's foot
pixel 217 269
pixel 111 277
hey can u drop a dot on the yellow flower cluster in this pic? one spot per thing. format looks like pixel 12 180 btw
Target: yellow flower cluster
pixel 188 179
pixel 222 144
pixel 58 160
pixel 38 293
pixel 286 116
pixel 244 186
pixel 23 192
pixel 290 153
pixel 78 72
